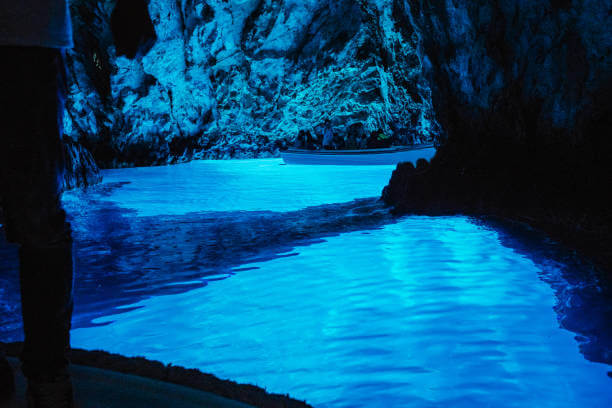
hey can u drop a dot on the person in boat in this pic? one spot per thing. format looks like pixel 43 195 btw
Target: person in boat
pixel 372 142
pixel 339 142
pixel 385 140
pixel 379 140
pixel 351 142
pixel 355 139
pixel 305 141
pixel 328 136
pixel 300 141
pixel 309 141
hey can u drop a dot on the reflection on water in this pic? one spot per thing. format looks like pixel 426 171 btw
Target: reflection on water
pixel 583 304
pixel 253 271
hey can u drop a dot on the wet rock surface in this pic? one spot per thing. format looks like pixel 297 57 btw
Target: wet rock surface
pixel 239 78
pixel 523 92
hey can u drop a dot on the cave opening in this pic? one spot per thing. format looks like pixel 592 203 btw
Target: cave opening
pixel 132 28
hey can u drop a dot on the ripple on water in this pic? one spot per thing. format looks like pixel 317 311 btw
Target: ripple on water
pixel 403 316
pixel 254 272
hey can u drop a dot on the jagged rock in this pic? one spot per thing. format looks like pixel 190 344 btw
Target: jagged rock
pixel 221 73
pixel 81 169
pixel 523 93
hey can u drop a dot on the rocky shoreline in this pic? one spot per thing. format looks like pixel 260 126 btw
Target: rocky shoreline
pixel 248 394
pixel 438 189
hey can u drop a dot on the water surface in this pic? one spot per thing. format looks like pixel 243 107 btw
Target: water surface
pixel 291 278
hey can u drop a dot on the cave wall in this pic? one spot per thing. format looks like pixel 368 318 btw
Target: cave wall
pixel 523 94
pixel 516 72
pixel 522 91
pixel 239 78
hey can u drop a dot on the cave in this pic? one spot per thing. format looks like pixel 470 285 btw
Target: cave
pixel 132 29
pixel 350 203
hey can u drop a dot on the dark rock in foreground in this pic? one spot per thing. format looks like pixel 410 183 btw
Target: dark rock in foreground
pixel 523 92
pixel 248 394
pixel 81 169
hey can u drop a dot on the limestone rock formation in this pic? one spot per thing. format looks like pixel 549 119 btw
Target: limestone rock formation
pixel 164 81
pixel 523 93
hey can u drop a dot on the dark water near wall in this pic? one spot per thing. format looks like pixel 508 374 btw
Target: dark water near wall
pixel 291 278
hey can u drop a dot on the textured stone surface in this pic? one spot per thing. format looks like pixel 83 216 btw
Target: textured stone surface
pixel 523 93
pixel 81 169
pixel 238 78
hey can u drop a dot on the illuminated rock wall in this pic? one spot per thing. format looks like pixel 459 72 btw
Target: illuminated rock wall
pixel 238 78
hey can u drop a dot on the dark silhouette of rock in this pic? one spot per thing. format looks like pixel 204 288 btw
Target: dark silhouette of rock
pixel 523 93
pixel 139 366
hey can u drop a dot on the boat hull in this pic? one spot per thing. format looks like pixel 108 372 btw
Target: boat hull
pixel 376 157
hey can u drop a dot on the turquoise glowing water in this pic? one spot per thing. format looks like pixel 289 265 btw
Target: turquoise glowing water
pixel 273 275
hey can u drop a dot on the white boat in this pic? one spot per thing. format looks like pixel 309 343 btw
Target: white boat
pixel 388 156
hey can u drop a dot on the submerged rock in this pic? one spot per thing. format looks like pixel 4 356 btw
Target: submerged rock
pixel 217 76
pixel 523 93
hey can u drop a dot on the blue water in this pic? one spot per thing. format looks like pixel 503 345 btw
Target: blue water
pixel 292 278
